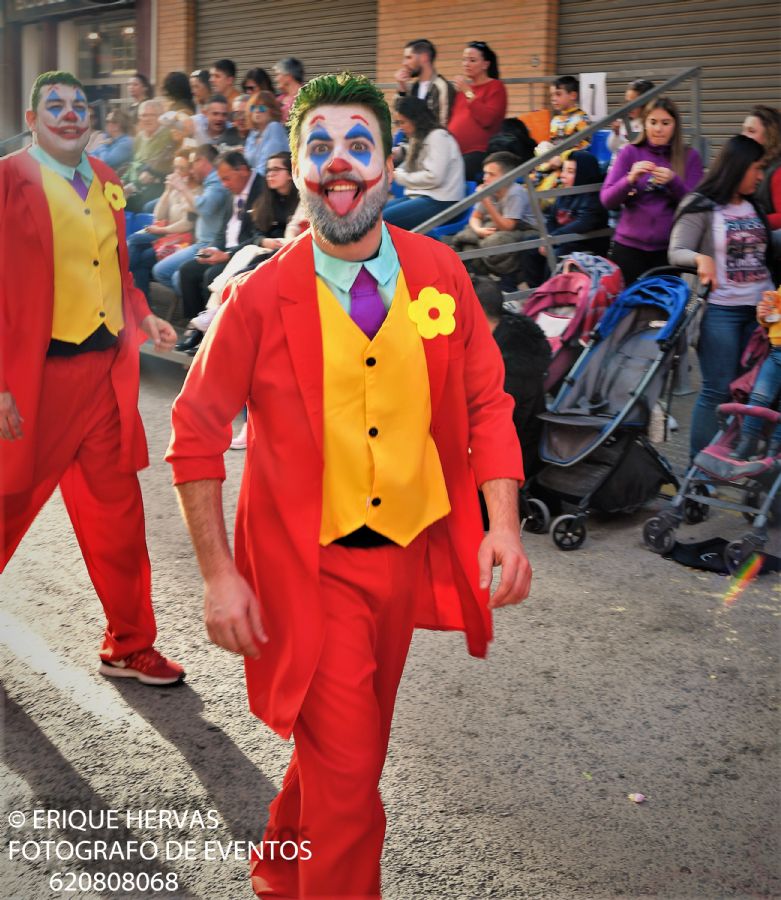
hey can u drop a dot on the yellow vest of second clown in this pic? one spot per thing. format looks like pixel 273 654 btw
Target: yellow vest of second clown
pixel 87 282
pixel 382 468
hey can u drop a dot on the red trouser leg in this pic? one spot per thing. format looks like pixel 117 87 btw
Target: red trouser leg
pixel 78 446
pixel 330 797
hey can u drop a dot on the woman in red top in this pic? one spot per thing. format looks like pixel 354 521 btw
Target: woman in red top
pixel 763 124
pixel 479 107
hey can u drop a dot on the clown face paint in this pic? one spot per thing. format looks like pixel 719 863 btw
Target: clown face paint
pixel 61 122
pixel 342 174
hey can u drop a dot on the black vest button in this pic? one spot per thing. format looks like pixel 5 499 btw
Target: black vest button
pixel 371 361
pixel 376 501
pixel 373 432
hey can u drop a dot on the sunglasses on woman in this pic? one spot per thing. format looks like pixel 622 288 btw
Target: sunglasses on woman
pixel 258 108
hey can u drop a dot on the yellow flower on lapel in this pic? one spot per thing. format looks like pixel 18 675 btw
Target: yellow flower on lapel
pixel 433 313
pixel 115 195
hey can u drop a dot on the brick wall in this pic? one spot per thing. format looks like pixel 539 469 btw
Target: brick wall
pixel 175 37
pixel 521 32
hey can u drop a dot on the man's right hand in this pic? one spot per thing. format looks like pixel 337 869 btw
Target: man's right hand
pixel 402 79
pixel 211 256
pixel 232 614
pixel 10 420
pixel 706 270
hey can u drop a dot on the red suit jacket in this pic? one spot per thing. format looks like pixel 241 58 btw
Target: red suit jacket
pixel 26 308
pixel 265 345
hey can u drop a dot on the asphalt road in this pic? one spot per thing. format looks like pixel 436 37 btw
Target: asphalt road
pixel 506 778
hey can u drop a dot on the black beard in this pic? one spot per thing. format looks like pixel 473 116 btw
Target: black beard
pixel 349 229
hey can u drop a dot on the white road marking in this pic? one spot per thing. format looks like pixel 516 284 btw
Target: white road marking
pixel 100 700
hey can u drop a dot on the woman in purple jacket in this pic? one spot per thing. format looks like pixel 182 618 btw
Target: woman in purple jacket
pixel 647 182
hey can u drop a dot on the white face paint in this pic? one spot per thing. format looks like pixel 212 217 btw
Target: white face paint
pixel 61 122
pixel 342 174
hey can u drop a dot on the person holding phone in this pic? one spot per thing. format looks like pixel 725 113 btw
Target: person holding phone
pixel 211 204
pixel 646 183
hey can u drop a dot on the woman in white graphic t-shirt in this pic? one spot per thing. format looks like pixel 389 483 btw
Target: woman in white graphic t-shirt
pixel 719 230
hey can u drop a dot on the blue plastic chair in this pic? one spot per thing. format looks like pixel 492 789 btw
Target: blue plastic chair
pixel 396 189
pixel 130 223
pixel 599 147
pixel 455 225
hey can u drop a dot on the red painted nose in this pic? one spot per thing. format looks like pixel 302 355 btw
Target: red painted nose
pixel 337 166
pixel 70 116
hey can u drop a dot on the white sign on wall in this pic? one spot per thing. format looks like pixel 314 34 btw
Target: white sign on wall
pixel 593 94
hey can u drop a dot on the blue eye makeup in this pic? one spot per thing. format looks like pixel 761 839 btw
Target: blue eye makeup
pixel 361 133
pixel 319 155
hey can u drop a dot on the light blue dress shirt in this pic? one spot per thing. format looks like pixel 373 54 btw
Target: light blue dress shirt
pixel 339 274
pixel 258 147
pixel 67 172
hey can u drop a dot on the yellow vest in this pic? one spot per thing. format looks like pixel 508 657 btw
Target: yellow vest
pixel 87 281
pixel 382 467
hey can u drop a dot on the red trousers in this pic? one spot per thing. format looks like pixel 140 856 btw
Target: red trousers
pixel 330 802
pixel 77 447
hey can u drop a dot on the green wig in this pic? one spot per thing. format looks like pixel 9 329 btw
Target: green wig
pixel 51 78
pixel 339 90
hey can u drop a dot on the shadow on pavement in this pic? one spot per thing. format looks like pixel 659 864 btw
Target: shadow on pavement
pixel 237 788
pixel 56 785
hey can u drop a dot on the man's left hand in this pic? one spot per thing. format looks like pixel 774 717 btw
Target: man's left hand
pixel 161 332
pixel 504 548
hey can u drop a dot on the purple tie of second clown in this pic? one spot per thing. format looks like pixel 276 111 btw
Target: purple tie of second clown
pixel 80 185
pixel 366 307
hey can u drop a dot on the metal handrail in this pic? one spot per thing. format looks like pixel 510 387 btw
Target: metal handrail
pixel 572 141
pixel 530 243
pixel 11 140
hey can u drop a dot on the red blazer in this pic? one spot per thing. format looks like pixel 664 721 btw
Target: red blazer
pixel 26 308
pixel 265 345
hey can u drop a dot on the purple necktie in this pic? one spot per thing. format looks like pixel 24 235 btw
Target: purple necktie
pixel 79 185
pixel 366 307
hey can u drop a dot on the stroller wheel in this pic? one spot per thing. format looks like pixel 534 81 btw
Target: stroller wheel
pixel 737 552
pixel 694 512
pixel 658 535
pixel 568 532
pixel 538 519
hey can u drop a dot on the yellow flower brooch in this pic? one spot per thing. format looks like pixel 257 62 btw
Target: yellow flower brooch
pixel 115 195
pixel 433 312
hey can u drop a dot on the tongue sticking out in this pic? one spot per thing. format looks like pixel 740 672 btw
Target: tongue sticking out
pixel 342 200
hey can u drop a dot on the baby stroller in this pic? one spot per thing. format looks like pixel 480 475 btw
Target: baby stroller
pixel 751 487
pixel 569 305
pixel 594 445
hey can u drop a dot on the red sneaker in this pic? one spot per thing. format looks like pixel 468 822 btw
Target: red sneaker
pixel 149 666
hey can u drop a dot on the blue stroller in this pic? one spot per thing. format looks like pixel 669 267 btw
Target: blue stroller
pixel 594 444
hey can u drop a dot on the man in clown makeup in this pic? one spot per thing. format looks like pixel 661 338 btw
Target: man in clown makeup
pixel 72 322
pixel 375 402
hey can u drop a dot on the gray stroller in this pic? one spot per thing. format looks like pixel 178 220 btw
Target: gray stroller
pixel 594 444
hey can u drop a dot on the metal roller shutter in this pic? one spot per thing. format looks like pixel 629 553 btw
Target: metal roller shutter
pixel 327 36
pixel 736 44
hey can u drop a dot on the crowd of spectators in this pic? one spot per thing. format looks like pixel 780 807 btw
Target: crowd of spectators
pixel 177 151
pixel 208 156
